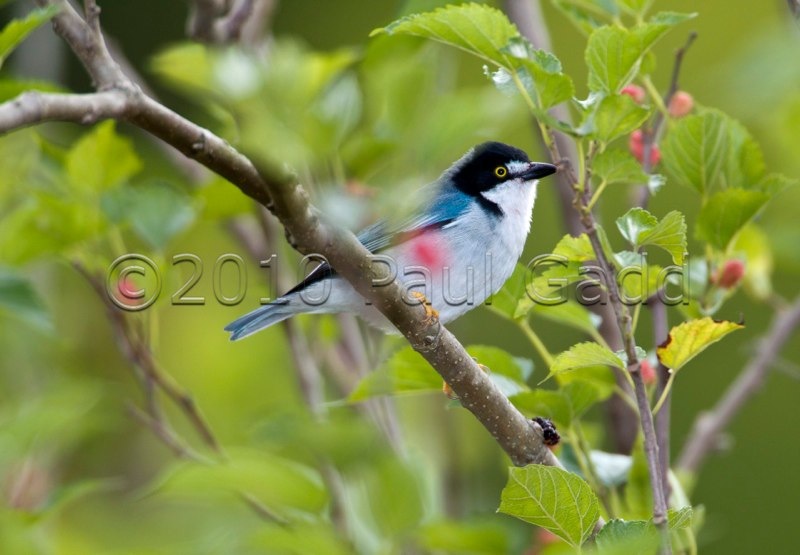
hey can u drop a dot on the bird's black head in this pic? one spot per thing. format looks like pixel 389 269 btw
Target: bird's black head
pixel 490 164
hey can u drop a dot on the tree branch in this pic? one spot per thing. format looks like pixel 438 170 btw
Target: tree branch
pixel 279 192
pixel 210 22
pixel 705 435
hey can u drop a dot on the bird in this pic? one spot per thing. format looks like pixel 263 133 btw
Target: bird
pixel 456 249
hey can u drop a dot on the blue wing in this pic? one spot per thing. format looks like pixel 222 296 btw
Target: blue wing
pixel 444 208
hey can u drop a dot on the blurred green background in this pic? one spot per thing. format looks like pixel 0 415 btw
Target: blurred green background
pixel 96 481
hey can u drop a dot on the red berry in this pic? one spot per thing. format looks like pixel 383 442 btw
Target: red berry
pixel 648 373
pixel 730 274
pixel 655 155
pixel 635 92
pixel 680 104
pixel 546 537
pixel 636 146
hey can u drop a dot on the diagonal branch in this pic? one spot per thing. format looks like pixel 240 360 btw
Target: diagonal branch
pixel 308 231
pixel 705 434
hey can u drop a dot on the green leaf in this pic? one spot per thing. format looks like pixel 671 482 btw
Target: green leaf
pixel 101 159
pixel 464 537
pixel 635 222
pixel 156 210
pixel 614 54
pixel 627 537
pixel 475 28
pixel 581 396
pixel 669 234
pixel 571 314
pixel 583 15
pixel 711 150
pixel 671 18
pixel 618 166
pixel 753 243
pixel 634 7
pixel 552 498
pixel 575 249
pixel 584 355
pixel 487 33
pixel 500 362
pixel 19 298
pixel 17 29
pixel 285 487
pixel 679 519
pixel 544 402
pixel 405 372
pixel 725 213
pixel 641 228
pixel 222 200
pixel 540 73
pixel 11 88
pixel 600 378
pixel 616 115
pixel 695 150
pixel 505 302
pixel 689 339
pixel 300 537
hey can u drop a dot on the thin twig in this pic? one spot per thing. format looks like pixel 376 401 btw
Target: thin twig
pixel 706 432
pixel 209 22
pixel 662 418
pixel 136 351
pixel 652 134
pixel 163 432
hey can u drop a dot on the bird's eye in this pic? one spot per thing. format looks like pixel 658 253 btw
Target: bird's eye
pixel 500 171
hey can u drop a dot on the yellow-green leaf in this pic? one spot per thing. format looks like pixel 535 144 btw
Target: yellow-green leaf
pixel 689 339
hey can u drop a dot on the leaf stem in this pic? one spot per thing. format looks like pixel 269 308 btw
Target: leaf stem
pixel 597 193
pixel 537 343
pixel 664 394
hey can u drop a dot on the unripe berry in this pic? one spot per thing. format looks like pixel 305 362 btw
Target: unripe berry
pixel 648 373
pixel 729 274
pixel 546 537
pixel 636 146
pixel 680 104
pixel 635 92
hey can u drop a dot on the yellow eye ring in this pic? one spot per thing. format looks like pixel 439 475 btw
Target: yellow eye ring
pixel 500 171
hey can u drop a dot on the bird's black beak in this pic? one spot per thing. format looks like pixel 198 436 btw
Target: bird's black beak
pixel 537 170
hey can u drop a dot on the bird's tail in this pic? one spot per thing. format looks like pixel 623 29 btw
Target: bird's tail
pixel 261 318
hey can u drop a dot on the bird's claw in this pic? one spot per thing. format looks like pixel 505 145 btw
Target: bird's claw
pixel 431 314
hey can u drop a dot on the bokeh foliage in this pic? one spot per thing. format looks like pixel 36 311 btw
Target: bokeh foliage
pixel 381 115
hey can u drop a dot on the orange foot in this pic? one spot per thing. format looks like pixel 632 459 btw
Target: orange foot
pixel 431 314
